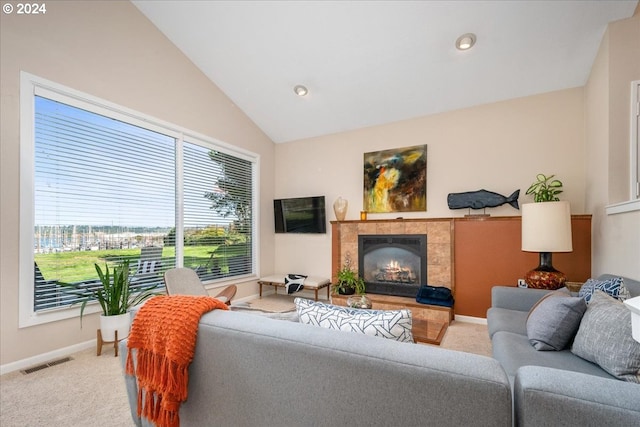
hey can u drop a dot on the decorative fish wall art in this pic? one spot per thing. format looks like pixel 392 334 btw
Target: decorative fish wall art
pixel 481 199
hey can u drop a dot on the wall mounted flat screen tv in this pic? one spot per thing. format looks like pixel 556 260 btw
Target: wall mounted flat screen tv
pixel 300 215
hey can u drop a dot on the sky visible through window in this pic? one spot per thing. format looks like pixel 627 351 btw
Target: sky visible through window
pixel 92 170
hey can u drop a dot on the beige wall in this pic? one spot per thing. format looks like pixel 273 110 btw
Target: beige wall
pixel 500 147
pixel 616 238
pixel 107 49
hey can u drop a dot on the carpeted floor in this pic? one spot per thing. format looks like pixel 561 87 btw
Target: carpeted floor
pixel 275 302
pixel 89 391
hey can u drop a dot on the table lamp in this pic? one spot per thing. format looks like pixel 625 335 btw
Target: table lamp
pixel 546 228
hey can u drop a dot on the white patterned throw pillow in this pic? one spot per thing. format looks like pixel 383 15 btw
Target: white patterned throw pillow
pixel 391 324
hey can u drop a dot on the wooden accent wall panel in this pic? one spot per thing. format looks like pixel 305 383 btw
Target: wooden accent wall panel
pixel 487 253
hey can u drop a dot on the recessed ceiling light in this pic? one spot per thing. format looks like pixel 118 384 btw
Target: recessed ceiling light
pixel 466 41
pixel 300 90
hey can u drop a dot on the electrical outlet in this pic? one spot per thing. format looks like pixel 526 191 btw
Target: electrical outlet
pixel 522 283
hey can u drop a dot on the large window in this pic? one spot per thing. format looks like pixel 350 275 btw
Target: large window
pixel 101 184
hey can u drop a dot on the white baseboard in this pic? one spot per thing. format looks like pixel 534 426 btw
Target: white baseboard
pixel 46 357
pixel 67 351
pixel 470 319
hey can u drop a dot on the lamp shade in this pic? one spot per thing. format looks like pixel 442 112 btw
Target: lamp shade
pixel 546 227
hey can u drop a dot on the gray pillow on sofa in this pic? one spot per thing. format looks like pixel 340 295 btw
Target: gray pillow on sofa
pixel 604 337
pixel 554 320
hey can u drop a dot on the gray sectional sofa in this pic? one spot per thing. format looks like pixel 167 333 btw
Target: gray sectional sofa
pixel 555 387
pixel 255 371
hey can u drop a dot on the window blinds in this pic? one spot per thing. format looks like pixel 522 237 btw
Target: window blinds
pixel 105 191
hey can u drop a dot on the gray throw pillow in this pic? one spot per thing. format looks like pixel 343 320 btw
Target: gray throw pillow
pixel 604 337
pixel 554 320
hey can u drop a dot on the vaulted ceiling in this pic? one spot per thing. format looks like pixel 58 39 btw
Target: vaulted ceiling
pixel 373 62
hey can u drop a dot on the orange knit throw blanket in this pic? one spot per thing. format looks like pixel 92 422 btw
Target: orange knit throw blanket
pixel 164 336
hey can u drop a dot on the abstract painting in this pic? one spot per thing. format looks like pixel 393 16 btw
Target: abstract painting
pixel 395 180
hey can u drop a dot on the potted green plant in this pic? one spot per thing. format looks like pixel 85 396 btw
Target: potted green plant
pixel 545 188
pixel 348 282
pixel 116 298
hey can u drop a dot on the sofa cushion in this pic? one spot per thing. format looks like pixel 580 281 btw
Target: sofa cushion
pixel 392 324
pixel 604 337
pixel 613 286
pixel 504 319
pixel 291 316
pixel 554 320
pixel 514 350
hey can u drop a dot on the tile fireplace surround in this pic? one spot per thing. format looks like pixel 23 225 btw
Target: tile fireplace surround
pixel 439 243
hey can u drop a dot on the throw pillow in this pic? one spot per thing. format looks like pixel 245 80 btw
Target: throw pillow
pixel 391 324
pixel 604 337
pixel 614 287
pixel 291 316
pixel 294 282
pixel 554 320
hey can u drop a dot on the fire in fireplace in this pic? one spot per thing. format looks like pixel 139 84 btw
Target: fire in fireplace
pixel 393 264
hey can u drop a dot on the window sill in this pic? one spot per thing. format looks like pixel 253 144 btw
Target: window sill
pixel 630 206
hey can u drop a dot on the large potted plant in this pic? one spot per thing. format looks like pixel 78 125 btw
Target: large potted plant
pixel 116 298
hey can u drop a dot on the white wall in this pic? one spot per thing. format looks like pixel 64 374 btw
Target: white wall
pixel 581 134
pixel 107 49
pixel 616 238
pixel 500 147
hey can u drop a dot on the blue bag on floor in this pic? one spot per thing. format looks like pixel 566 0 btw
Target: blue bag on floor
pixel 435 295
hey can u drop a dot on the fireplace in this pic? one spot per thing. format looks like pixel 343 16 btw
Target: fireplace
pixel 393 264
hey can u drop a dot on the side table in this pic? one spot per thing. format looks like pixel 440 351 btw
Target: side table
pixel 428 331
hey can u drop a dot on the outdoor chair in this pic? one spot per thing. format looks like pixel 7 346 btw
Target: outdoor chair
pixel 185 281
pixel 150 260
pixel 149 266
pixel 47 292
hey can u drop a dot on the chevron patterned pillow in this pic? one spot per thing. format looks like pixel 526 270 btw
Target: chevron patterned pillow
pixel 613 287
pixel 391 324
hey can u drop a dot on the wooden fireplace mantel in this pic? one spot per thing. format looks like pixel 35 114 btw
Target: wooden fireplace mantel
pixel 468 255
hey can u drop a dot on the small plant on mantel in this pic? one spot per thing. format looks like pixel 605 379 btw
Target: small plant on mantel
pixel 545 189
pixel 348 280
